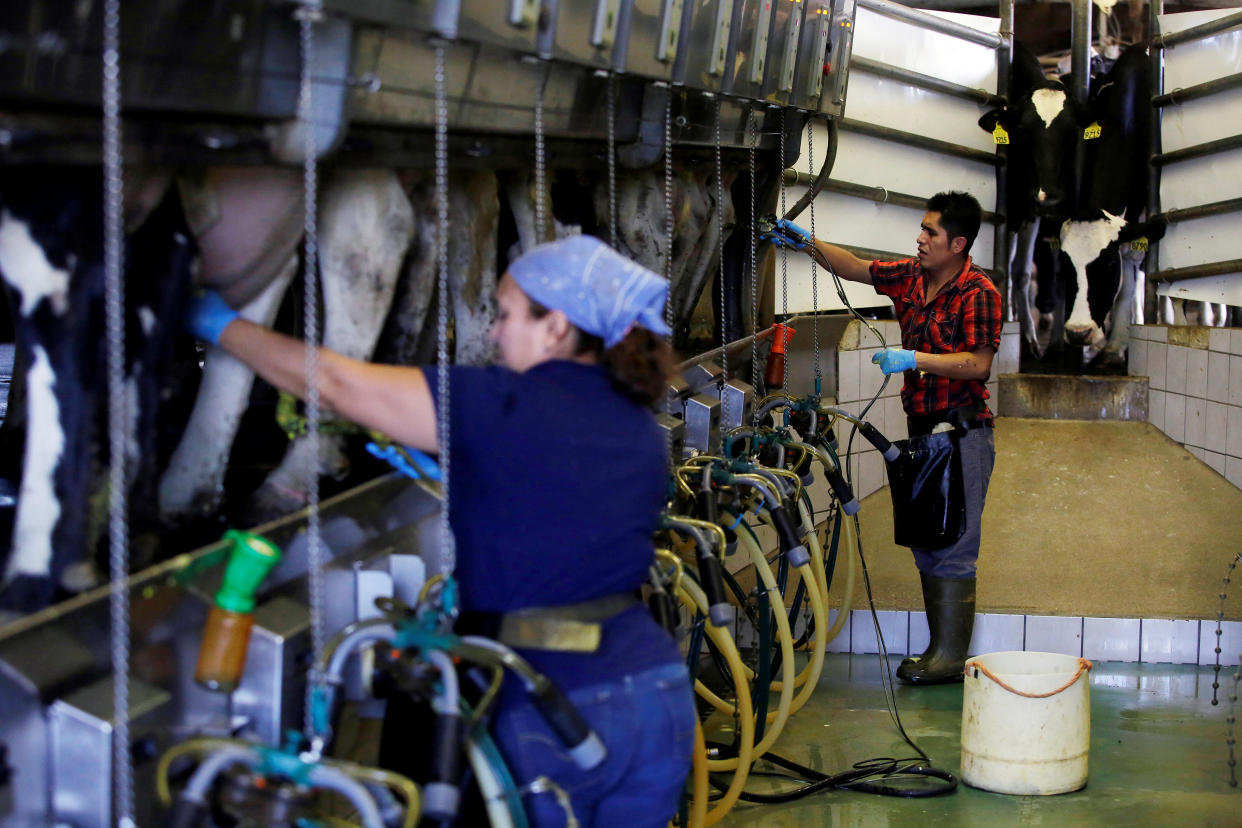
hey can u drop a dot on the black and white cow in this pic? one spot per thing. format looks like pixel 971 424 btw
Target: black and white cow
pixel 1099 239
pixel 1041 125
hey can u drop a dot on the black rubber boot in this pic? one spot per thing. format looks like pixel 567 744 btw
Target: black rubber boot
pixel 950 604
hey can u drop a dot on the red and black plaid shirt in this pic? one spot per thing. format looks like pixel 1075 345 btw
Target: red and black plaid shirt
pixel 964 316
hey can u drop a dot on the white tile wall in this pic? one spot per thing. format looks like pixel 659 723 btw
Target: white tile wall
pixel 894 625
pixel 1230 642
pixel 1054 634
pixel 1111 639
pixel 920 635
pixel 1175 642
pixel 1195 395
pixel 996 633
pixel 841 643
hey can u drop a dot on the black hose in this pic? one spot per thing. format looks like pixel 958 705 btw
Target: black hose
pixel 821 178
pixel 883 776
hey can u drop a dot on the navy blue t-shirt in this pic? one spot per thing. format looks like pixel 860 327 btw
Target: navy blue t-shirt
pixel 557 485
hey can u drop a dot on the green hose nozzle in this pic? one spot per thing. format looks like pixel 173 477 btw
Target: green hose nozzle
pixel 252 558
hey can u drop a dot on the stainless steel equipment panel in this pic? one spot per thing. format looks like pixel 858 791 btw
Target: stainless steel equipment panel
pixel 737 403
pixel 840 48
pixel 747 61
pixel 584 33
pixel 706 27
pixel 653 38
pixel 703 423
pixel 812 51
pixel 81 727
pixel 511 24
pixel 783 42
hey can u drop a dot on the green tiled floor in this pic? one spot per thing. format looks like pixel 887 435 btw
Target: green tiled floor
pixel 1158 754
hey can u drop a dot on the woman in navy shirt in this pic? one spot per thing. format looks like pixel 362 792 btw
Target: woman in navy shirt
pixel 561 477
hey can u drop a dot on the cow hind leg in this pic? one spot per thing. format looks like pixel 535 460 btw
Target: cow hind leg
pixel 366 226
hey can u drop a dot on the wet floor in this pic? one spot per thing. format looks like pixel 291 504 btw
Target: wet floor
pixel 1158 755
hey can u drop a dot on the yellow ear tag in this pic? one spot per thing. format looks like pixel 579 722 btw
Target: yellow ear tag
pixel 999 136
pixel 1139 244
pixel 1092 131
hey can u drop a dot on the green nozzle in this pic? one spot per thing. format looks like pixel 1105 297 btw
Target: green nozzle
pixel 251 559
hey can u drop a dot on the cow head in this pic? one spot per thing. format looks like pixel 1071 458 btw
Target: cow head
pixel 1043 128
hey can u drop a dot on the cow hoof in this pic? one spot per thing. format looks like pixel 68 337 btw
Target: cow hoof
pixel 24 594
pixel 1109 362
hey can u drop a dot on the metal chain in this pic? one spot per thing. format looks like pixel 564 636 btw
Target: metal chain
pixel 119 405
pixel 307 16
pixel 448 549
pixel 810 160
pixel 612 158
pixel 724 340
pixel 751 145
pixel 540 171
pixel 784 249
pixel 669 227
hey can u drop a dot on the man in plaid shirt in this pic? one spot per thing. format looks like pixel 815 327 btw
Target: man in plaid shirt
pixel 950 317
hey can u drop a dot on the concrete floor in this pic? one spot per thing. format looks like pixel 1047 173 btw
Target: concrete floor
pixel 1100 518
pixel 1158 755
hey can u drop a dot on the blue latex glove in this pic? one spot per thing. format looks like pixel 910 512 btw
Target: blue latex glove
pixel 208 315
pixel 894 360
pixel 423 466
pixel 785 233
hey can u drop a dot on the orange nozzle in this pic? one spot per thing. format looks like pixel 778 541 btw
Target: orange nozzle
pixel 781 334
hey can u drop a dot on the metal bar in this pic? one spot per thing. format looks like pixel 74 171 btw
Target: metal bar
pixel 1080 49
pixel 922 81
pixel 1198 150
pixel 1152 261
pixel 929 21
pixel 1181 274
pixel 1000 228
pixel 1201 90
pixel 1216 208
pixel 877 194
pixel 922 141
pixel 1200 32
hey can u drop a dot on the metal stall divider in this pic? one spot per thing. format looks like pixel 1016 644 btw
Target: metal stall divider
pixel 1174 281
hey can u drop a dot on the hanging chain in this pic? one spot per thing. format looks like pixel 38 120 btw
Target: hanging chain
pixel 612 159
pixel 540 171
pixel 119 411
pixel 724 339
pixel 751 144
pixel 448 549
pixel 669 227
pixel 784 249
pixel 810 160
pixel 307 16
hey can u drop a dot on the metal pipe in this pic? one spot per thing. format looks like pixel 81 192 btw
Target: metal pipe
pixel 923 142
pixel 929 82
pixel 1216 208
pixel 1198 150
pixel 732 347
pixel 1000 229
pixel 877 194
pixel 1181 274
pixel 1152 262
pixel 1199 90
pixel 1080 49
pixel 928 21
pixel 1200 32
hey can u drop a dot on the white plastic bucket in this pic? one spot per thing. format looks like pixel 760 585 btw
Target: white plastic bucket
pixel 1026 723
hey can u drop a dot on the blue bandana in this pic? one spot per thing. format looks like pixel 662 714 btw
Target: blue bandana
pixel 598 289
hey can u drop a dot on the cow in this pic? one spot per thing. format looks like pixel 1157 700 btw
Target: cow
pixel 1041 124
pixel 1099 239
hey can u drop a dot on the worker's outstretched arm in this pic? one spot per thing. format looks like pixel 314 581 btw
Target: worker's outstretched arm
pixel 392 399
pixel 845 264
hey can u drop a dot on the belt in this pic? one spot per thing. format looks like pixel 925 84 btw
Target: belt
pixel 569 628
pixel 964 418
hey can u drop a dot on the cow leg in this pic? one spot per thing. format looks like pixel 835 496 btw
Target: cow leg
pixel 193 483
pixel 1020 273
pixel 474 213
pixel 366 224
pixel 1114 353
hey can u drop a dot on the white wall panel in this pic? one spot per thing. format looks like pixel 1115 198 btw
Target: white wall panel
pixel 1202 180
pixel 1215 177
pixel 875 162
